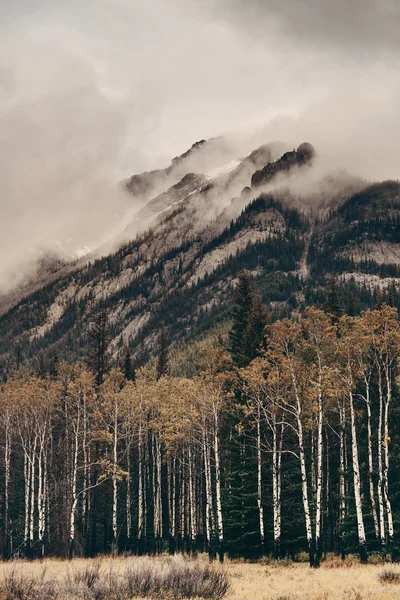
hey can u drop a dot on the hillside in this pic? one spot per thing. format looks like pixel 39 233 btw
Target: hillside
pixel 198 231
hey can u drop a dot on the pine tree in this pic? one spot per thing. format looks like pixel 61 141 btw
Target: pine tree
pixel 242 531
pixel 129 369
pixel 333 305
pixel 243 302
pixel 351 305
pixel 163 355
pixel 391 296
pixel 98 341
pixel 54 363
pixel 42 368
pixel 254 335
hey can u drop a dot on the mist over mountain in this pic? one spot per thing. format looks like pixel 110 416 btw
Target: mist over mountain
pixel 88 98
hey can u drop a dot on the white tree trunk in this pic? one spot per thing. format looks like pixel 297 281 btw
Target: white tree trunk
pixel 140 483
pixel 33 488
pixel 207 472
pixel 218 489
pixel 192 500
pixel 386 463
pixel 357 486
pixel 259 482
pixel 380 464
pixel 318 511
pixel 74 494
pixel 7 474
pixel 114 478
pixel 371 463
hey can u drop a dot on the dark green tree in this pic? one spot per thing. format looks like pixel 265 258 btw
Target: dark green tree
pixel 333 301
pixel 255 332
pixel 163 355
pixel 242 306
pixel 242 530
pixel 98 341
pixel 129 369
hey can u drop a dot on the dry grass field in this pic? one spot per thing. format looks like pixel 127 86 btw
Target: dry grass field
pixel 164 578
pixel 298 582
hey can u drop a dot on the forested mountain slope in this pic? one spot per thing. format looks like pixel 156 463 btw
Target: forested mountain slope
pixel 200 232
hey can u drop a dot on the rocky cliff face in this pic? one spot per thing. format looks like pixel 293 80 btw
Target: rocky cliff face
pixel 201 232
pixel 304 155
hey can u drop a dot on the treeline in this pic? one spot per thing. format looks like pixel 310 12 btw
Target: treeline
pixel 285 441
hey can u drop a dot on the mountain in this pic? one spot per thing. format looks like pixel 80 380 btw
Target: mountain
pixel 208 216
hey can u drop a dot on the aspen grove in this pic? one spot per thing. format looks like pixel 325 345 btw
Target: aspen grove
pixel 283 446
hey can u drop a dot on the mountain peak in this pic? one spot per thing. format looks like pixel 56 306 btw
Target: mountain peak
pixel 304 155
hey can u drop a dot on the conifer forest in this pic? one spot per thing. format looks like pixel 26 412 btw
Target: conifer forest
pixel 284 440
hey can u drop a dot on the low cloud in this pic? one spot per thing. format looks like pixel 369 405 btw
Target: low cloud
pixel 93 92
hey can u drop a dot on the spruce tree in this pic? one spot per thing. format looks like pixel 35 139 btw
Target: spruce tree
pixel 333 305
pixel 242 530
pixel 98 341
pixel 129 369
pixel 254 335
pixel 163 355
pixel 242 305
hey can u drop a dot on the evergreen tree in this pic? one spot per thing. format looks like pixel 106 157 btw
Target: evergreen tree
pixel 333 305
pixel 42 367
pixel 54 363
pixel 254 335
pixel 242 530
pixel 129 369
pixel 351 305
pixel 242 306
pixel 98 341
pixel 163 355
pixel 392 295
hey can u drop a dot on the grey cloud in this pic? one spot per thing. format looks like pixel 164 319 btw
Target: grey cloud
pixel 91 92
pixel 363 25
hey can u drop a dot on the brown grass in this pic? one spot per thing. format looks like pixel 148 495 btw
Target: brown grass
pixel 113 579
pixel 127 578
pixel 333 581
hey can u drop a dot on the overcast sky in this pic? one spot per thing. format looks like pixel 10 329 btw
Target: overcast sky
pixel 93 90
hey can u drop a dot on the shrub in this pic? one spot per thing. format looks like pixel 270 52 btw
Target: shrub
pixel 179 580
pixel 389 576
pixel 166 579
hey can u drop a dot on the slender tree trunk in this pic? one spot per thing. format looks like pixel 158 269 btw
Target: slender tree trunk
pixel 207 472
pixel 371 463
pixel 276 490
pixel 86 479
pixel 192 505
pixel 74 494
pixel 318 512
pixel 172 509
pixel 115 481
pixel 386 463
pixel 128 493
pixel 27 479
pixel 357 486
pixel 380 466
pixel 7 476
pixel 140 493
pixel 218 490
pixel 259 482
pixel 33 489
pixel 342 485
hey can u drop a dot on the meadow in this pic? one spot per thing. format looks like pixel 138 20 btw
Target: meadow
pixel 128 578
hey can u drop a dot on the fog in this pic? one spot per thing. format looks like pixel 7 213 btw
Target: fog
pixel 91 92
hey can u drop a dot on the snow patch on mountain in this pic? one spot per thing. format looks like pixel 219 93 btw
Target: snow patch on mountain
pixel 223 169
